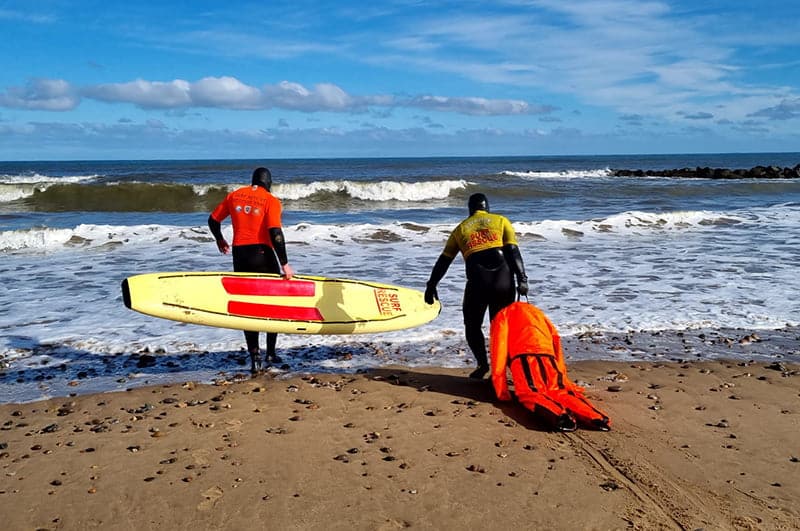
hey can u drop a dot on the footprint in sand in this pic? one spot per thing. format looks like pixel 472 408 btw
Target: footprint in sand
pixel 210 498
pixel 201 457
pixel 234 424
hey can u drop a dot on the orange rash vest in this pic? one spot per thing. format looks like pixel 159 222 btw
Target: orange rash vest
pixel 253 211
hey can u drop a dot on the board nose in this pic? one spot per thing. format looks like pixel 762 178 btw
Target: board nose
pixel 126 293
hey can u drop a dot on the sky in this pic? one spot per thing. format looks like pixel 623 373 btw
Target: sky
pixel 185 79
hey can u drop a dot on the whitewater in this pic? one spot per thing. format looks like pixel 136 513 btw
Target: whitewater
pixel 606 256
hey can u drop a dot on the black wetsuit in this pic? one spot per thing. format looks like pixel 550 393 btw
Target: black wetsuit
pixel 490 284
pixel 256 258
pixel 492 260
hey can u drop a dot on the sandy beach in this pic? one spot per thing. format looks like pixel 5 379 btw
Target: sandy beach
pixel 711 445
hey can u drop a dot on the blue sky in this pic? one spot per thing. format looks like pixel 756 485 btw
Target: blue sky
pixel 200 79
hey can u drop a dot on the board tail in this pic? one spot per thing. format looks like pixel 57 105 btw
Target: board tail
pixel 126 294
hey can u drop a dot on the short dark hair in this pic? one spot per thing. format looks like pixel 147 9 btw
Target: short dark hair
pixel 477 202
pixel 262 177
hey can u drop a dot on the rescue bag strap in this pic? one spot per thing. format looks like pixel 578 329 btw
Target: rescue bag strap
pixel 526 370
pixel 560 374
pixel 526 354
pixel 540 360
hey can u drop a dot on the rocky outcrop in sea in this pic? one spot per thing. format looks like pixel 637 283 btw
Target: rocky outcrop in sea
pixel 756 172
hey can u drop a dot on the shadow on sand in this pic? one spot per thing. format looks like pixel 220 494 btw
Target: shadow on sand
pixel 460 387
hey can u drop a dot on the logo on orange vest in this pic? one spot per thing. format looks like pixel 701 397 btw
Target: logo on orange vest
pixel 388 302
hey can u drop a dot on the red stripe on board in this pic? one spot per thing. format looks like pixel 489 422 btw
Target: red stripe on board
pixel 273 311
pixel 268 286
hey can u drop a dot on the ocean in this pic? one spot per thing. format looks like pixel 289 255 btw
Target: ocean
pixel 607 257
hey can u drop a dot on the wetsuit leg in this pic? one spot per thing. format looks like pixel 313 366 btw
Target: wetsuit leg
pixel 489 285
pixel 256 259
pixel 503 293
pixel 474 308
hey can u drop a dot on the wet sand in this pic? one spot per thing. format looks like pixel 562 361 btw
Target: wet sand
pixel 712 445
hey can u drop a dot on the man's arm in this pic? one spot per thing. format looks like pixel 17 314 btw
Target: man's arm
pixel 279 245
pixel 514 259
pixel 439 270
pixel 216 231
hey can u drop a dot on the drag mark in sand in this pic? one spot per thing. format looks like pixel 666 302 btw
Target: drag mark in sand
pixel 620 476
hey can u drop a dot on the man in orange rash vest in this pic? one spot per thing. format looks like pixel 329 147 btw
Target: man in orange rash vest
pixel 258 244
pixel 524 339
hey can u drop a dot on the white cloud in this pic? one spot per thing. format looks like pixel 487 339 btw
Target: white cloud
pixel 475 106
pixel 630 56
pixel 323 97
pixel 131 140
pixel 225 92
pixel 145 94
pixel 41 95
pixel 230 93
pixel 785 110
pixel 8 14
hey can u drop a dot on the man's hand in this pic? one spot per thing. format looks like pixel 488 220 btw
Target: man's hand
pixel 223 246
pixel 522 287
pixel 431 294
pixel 288 273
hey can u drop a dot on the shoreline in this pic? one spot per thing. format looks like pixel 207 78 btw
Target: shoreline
pixel 54 371
pixel 693 444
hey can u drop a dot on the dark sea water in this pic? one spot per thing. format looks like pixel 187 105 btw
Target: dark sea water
pixel 604 254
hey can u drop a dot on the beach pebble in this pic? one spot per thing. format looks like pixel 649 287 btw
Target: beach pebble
pixel 610 485
pixel 615 388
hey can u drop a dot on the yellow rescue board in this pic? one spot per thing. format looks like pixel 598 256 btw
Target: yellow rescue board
pixel 269 303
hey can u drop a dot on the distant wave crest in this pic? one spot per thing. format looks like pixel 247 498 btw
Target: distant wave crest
pixel 14 187
pixel 566 174
pixel 79 195
pixel 372 191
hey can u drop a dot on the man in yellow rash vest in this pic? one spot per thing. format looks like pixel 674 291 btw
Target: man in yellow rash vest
pixel 492 258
